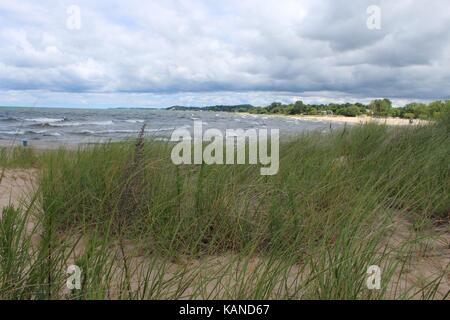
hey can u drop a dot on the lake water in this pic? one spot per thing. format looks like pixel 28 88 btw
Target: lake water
pixel 53 127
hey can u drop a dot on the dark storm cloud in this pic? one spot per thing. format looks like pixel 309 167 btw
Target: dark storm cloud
pixel 172 47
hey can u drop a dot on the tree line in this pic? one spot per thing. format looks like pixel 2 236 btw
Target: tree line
pixel 376 108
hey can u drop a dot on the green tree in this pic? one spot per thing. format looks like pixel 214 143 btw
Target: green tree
pixel 381 107
pixel 351 111
pixel 298 108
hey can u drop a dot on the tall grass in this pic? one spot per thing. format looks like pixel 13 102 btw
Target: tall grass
pixel 17 157
pixel 148 229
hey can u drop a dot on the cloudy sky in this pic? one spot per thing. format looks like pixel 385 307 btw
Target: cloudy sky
pixel 193 52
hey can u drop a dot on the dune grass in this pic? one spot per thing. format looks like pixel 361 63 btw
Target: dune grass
pixel 140 227
pixel 14 157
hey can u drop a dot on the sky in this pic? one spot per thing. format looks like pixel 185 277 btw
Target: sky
pixel 192 52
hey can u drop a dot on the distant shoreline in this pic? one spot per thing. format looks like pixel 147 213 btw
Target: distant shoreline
pixel 352 120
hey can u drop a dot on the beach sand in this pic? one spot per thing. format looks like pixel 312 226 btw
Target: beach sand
pixel 362 120
pixel 15 186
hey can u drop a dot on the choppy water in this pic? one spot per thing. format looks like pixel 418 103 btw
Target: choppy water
pixel 46 127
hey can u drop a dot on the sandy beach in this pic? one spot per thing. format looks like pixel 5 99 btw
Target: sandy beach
pixel 362 120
